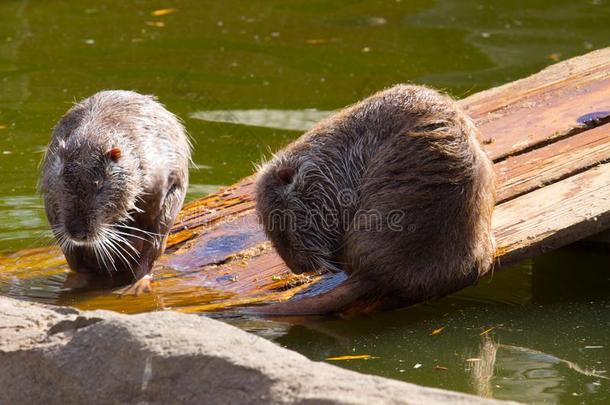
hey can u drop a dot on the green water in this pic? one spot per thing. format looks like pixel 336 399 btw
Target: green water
pixel 292 56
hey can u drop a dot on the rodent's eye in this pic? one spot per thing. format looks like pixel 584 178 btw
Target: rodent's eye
pixel 98 184
pixel 285 175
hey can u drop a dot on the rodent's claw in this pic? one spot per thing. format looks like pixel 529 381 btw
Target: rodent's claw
pixel 143 285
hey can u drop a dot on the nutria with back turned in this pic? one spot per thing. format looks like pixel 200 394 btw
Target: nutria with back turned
pixel 396 191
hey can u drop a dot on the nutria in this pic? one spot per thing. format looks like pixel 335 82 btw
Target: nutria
pixel 396 191
pixel 113 180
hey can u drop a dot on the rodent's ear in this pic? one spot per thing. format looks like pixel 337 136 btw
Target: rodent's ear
pixel 114 154
pixel 285 174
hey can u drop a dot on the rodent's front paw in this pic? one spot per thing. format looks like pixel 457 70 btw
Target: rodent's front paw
pixel 143 285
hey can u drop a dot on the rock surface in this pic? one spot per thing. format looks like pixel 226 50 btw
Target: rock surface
pixel 56 355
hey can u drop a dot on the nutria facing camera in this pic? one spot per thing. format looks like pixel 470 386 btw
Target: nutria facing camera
pixel 396 191
pixel 113 180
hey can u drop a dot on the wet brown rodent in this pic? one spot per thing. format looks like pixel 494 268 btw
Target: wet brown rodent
pixel 396 191
pixel 113 180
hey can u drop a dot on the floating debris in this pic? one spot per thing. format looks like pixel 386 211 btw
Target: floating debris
pixel 163 11
pixel 352 357
pixel 437 331
pixel 315 41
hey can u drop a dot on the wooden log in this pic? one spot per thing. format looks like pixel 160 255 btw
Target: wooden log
pixel 549 135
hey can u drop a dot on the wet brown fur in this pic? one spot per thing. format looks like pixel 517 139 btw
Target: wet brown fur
pixel 138 191
pixel 407 149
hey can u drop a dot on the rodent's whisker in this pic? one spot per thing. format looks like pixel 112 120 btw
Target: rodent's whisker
pixel 99 256
pixel 116 235
pixel 120 251
pixel 106 252
pixel 117 232
pixel 137 229
pixel 122 243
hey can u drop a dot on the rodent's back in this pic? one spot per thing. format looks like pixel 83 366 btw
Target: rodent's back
pixel 434 176
pixel 420 188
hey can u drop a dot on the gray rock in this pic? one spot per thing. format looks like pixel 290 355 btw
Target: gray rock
pixel 56 355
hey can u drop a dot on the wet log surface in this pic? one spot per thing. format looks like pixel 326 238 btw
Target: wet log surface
pixel 549 137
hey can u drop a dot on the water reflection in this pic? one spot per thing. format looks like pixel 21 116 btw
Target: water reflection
pixel 538 345
pixel 482 367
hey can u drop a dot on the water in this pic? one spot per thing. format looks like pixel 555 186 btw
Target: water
pixel 541 328
pixel 246 76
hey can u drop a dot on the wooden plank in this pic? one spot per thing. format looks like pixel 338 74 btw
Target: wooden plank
pixel 197 230
pixel 580 70
pixel 563 98
pixel 544 117
pixel 553 216
pixel 543 107
pixel 527 172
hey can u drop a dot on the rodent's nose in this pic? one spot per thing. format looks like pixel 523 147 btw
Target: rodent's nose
pixel 77 232
pixel 79 235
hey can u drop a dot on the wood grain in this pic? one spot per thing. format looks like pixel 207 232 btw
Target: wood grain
pixel 528 172
pixel 553 216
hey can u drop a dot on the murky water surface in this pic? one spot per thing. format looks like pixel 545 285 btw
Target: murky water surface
pixel 247 77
